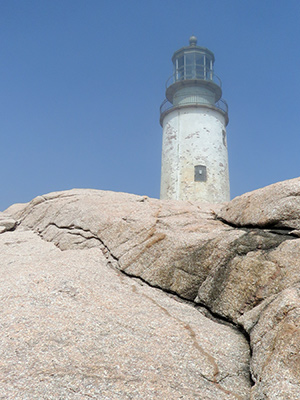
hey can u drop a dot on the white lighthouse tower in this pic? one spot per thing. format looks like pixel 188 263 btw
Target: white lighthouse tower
pixel 194 119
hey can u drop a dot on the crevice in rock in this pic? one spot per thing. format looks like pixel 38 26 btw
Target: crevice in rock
pixel 200 306
pixel 71 230
pixel 214 252
pixel 111 257
pixel 169 292
pixel 10 229
pixel 108 254
pixel 203 308
pixel 214 380
pixel 220 319
pixel 113 262
pixel 270 228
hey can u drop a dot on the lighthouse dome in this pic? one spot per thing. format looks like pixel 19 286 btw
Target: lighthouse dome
pixel 193 41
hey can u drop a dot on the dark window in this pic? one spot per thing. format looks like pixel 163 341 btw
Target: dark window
pixel 189 66
pixel 209 74
pixel 200 173
pixel 199 66
pixel 180 70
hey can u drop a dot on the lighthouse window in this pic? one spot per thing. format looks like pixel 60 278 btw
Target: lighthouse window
pixel 199 59
pixel 189 66
pixel 200 66
pixel 180 68
pixel 200 173
pixel 208 68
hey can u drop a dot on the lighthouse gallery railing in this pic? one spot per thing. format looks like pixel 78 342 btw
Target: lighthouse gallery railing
pixel 221 105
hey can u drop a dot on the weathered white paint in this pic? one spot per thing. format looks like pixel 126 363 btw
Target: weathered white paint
pixel 194 135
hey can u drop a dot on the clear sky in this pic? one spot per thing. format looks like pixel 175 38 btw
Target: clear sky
pixel 81 82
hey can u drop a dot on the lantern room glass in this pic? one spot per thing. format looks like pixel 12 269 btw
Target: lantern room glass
pixel 193 65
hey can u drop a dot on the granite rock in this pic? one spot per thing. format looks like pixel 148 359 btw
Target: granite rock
pixel 144 237
pixel 239 262
pixel 247 266
pixel 274 206
pixel 6 222
pixel 275 341
pixel 74 327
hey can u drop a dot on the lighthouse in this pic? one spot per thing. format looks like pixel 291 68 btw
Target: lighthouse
pixel 194 119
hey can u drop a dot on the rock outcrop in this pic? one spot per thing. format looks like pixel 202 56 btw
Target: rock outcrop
pixel 74 327
pixel 116 296
pixel 275 206
pixel 147 238
pixel 269 307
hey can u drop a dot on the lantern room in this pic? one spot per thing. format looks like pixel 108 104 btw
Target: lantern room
pixel 193 62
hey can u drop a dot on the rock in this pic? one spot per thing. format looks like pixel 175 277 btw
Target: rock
pixel 275 342
pixel 242 266
pixel 276 206
pixel 247 266
pixel 73 327
pixel 255 283
pixel 144 237
pixel 6 222
pixel 16 209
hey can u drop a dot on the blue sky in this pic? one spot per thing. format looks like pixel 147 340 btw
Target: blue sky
pixel 81 82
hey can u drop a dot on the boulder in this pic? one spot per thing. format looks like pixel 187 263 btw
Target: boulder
pixel 73 327
pixel 254 282
pixel 144 237
pixel 239 262
pixel 274 206
pixel 6 222
pixel 275 341
pixel 247 266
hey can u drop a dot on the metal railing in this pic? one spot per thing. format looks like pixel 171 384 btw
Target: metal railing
pixel 167 105
pixel 198 73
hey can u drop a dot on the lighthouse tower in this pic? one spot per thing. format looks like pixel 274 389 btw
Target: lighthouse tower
pixel 194 119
